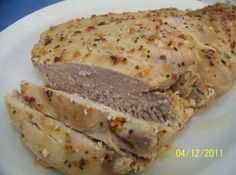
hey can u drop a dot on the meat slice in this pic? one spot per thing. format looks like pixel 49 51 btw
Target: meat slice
pixel 120 131
pixel 64 149
pixel 110 88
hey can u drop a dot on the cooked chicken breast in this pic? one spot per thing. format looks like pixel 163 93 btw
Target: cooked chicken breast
pixel 222 19
pixel 163 48
pixel 64 149
pixel 220 38
pixel 119 131
pixel 120 86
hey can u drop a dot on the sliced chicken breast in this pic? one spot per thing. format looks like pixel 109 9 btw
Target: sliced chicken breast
pixel 120 131
pixel 65 149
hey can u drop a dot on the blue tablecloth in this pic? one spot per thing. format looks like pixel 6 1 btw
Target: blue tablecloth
pixel 13 10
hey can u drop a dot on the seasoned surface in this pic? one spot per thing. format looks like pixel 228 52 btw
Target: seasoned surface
pixel 220 18
pixel 117 130
pixel 62 148
pixel 138 44
pixel 164 48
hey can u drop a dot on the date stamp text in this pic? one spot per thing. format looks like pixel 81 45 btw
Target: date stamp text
pixel 199 153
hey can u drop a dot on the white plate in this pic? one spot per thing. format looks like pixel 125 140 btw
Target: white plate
pixel 211 128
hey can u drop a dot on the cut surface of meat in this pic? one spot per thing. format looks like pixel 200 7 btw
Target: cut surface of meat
pixel 60 147
pixel 110 88
pixel 118 130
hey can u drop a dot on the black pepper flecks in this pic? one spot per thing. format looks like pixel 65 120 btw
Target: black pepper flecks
pixel 49 94
pixel 140 47
pixel 82 163
pixel 47 41
pixel 97 39
pixel 57 59
pixel 223 62
pixel 101 23
pixel 211 63
pixel 131 131
pixel 113 58
pixel 56 46
pixel 77 32
pixel 208 57
pixel 125 60
pixel 137 67
pixel 61 38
